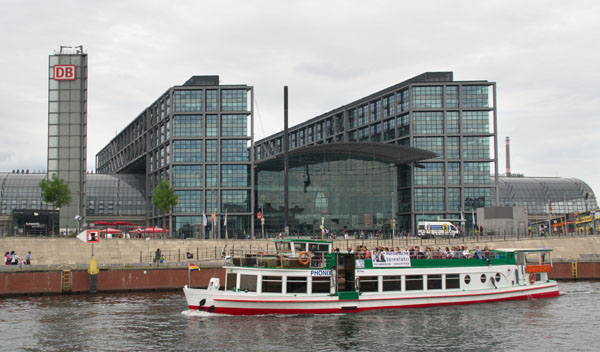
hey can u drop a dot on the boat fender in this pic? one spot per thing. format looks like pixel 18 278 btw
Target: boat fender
pixel 493 281
pixel 306 259
pixel 356 284
pixel 531 278
pixel 211 309
pixel 202 301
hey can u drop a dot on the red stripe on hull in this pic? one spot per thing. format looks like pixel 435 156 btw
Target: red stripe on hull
pixel 255 311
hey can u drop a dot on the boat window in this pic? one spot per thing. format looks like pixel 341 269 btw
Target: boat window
pixel 392 283
pixel 368 284
pixel 434 282
pixel 282 247
pixel 414 282
pixel 271 284
pixel 231 281
pixel 299 247
pixel 296 284
pixel 498 277
pixel 248 283
pixel 323 248
pixel 320 284
pixel 452 281
pixel 467 279
pixel 483 278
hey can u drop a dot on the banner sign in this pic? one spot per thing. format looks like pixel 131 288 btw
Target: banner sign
pixel 392 259
pixel 320 273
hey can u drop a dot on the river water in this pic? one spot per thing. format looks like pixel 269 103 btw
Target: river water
pixel 161 322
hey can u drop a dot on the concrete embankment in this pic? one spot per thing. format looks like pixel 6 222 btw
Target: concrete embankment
pixel 60 264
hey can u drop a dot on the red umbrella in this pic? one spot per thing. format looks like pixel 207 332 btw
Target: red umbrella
pixel 111 231
pixel 122 223
pixel 153 230
pixel 101 223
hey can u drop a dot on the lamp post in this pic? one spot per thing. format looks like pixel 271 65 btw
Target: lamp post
pixel 393 220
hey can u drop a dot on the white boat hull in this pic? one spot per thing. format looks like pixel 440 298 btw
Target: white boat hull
pixel 243 303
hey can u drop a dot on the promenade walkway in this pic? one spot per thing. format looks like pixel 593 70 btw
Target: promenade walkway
pixel 71 251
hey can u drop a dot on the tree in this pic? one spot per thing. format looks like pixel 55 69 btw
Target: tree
pixel 56 192
pixel 164 198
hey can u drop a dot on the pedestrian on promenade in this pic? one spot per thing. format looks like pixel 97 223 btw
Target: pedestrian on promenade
pixel 157 256
pixel 28 258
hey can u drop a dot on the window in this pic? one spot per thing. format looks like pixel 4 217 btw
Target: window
pixel 475 96
pixel 452 97
pixel 235 201
pixel 187 151
pixel 212 126
pixel 402 100
pixel 427 97
pixel 211 150
pixel 389 130
pixel 211 176
pixel 498 277
pixel 453 148
pixel 430 174
pixel 233 125
pixel 187 100
pixel 271 284
pixel 454 199
pixel 320 284
pixel 476 147
pixel 233 100
pixel 433 144
pixel 428 122
pixel 296 284
pixel 452 125
pixel 248 283
pixel 231 281
pixel 467 279
pixel 212 97
pixel 368 284
pixel 234 150
pixel 434 282
pixel 187 176
pixel 187 126
pixel 483 278
pixel 452 281
pixel 429 199
pixel 392 283
pixel 234 176
pixel 403 123
pixel 477 173
pixel 414 282
pixel 189 202
pixel 476 121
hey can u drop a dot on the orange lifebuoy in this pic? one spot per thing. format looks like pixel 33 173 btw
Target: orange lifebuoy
pixel 531 278
pixel 306 260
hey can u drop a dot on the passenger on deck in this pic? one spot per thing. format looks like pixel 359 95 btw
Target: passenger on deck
pixel 477 253
pixel 465 251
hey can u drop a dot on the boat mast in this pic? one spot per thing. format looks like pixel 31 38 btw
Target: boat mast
pixel 285 163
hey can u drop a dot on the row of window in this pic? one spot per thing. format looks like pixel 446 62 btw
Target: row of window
pixel 383 283
pixel 190 176
pixel 192 126
pixel 234 201
pixel 434 199
pixel 435 174
pixel 192 100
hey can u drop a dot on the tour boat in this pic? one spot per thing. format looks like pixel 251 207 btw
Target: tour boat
pixel 307 277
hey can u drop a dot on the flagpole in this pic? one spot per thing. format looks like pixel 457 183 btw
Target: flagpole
pixel 189 274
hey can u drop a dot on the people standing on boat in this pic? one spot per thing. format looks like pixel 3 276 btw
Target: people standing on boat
pixel 367 253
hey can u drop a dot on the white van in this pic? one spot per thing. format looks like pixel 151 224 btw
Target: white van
pixel 427 229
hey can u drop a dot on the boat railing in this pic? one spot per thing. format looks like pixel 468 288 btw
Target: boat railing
pixel 275 260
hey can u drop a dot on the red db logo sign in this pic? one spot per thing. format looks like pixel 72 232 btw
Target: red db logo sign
pixel 64 72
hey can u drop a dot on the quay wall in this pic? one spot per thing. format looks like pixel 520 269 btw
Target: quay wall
pixel 46 282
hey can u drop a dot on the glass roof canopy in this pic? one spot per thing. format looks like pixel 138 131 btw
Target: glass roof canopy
pixel 390 153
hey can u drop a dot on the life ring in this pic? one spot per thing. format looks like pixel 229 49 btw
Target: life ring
pixel 531 278
pixel 305 261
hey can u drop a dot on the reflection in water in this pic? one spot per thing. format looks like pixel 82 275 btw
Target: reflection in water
pixel 140 321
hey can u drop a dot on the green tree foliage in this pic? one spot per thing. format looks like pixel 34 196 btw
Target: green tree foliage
pixel 164 198
pixel 56 192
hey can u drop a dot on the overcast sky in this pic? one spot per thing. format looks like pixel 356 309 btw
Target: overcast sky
pixel 543 55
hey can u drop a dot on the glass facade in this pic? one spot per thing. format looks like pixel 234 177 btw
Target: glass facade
pixel 355 195
pixel 453 119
